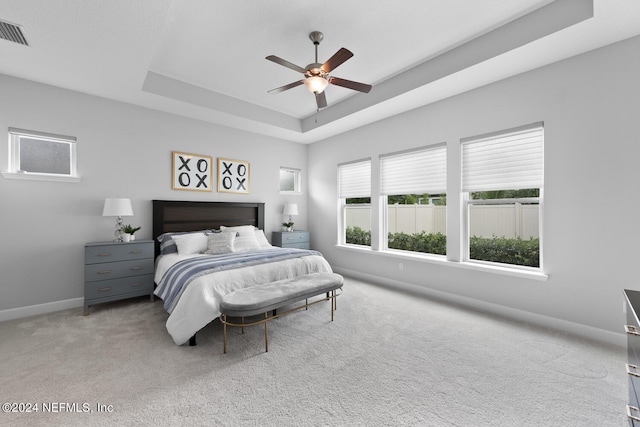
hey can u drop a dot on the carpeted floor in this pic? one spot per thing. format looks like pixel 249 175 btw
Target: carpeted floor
pixel 388 359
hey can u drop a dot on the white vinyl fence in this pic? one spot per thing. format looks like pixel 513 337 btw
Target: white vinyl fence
pixel 510 221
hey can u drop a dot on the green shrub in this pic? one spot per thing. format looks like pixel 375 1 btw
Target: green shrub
pixel 507 251
pixel 419 242
pixel 495 249
pixel 357 236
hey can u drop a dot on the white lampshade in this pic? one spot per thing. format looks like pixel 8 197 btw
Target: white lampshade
pixel 290 209
pixel 316 84
pixel 117 207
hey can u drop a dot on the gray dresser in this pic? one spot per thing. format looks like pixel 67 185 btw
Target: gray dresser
pixel 290 239
pixel 115 271
pixel 632 329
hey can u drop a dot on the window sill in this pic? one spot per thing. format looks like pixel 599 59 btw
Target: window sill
pixel 441 260
pixel 40 177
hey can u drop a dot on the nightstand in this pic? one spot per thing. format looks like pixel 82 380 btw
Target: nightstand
pixel 116 270
pixel 290 239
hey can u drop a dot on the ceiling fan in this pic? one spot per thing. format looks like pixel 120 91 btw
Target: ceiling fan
pixel 317 76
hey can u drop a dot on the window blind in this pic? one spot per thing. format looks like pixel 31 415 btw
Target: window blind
pixel 509 160
pixel 354 179
pixel 414 172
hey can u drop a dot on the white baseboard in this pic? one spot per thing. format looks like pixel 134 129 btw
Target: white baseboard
pixel 573 328
pixel 34 310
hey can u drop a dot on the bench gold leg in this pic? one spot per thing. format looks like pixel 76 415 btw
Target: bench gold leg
pixel 333 303
pixel 266 333
pixel 224 332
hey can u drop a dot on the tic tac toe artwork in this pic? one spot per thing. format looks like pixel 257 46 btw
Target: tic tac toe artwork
pixel 191 172
pixel 234 176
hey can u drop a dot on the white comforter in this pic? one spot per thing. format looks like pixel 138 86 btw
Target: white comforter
pixel 200 302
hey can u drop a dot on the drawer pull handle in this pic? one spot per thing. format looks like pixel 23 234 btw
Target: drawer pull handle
pixel 136 284
pixel 631 410
pixel 104 272
pixel 632 370
pixel 137 252
pixel 631 330
pixel 104 254
pixel 104 289
pixel 137 268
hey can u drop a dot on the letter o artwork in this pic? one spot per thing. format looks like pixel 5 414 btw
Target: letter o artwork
pixel 234 176
pixel 191 172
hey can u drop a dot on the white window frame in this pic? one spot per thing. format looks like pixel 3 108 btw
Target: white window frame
pixel 362 188
pixel 297 180
pixel 424 181
pixel 14 170
pixel 468 202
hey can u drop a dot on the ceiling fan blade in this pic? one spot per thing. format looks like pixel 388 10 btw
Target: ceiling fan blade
pixel 360 87
pixel 321 100
pixel 285 87
pixel 337 59
pixel 286 63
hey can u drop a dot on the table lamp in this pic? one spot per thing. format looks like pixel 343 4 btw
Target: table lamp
pixel 117 207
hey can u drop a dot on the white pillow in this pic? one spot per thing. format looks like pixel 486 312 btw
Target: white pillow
pixel 262 239
pixel 192 243
pixel 241 229
pixel 245 242
pixel 220 243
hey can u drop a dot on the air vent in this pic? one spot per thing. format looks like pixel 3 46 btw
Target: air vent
pixel 12 32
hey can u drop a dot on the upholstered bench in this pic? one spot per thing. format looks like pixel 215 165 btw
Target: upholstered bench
pixel 261 299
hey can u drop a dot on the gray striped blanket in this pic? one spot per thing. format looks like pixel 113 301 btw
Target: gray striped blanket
pixel 182 273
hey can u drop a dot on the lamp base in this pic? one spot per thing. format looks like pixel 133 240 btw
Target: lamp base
pixel 118 233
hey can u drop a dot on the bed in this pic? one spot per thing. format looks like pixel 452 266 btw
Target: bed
pixel 191 283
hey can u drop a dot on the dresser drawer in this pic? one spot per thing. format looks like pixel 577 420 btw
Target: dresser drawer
pixel 113 270
pixel 121 286
pixel 294 237
pixel 117 252
pixel 302 245
pixel 633 337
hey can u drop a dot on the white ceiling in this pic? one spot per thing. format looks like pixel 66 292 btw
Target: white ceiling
pixel 206 59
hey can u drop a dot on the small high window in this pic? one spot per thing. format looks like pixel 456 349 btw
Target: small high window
pixel 290 181
pixel 40 155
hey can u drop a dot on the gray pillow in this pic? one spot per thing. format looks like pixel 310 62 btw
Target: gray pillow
pixel 220 243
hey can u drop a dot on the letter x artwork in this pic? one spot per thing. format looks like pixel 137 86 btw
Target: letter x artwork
pixel 233 176
pixel 191 172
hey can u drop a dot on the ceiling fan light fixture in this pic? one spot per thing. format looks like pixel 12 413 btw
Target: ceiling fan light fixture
pixel 316 84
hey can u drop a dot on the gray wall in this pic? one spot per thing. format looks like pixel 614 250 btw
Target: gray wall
pixel 590 108
pixel 123 151
pixel 589 105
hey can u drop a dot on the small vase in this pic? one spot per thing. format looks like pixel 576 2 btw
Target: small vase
pixel 133 237
pixel 126 237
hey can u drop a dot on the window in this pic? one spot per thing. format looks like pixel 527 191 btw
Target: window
pixel 290 181
pixel 39 155
pixel 502 184
pixel 413 185
pixel 354 192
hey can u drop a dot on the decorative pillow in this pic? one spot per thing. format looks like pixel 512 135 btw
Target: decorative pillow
pixel 192 243
pixel 168 245
pixel 245 242
pixel 262 239
pixel 220 243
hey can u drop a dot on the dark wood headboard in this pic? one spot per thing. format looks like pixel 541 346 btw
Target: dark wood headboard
pixel 173 215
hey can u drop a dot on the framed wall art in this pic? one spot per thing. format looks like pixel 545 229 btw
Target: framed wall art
pixel 191 172
pixel 234 176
